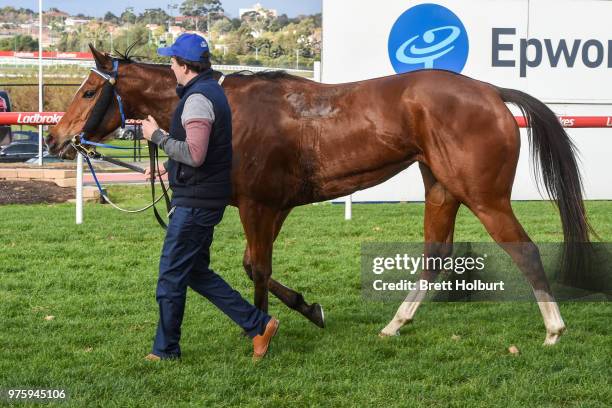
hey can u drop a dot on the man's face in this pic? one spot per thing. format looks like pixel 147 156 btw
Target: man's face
pixel 180 72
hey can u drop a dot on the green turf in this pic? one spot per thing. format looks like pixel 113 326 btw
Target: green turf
pixel 98 280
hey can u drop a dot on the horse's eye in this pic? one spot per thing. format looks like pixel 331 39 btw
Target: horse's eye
pixel 89 94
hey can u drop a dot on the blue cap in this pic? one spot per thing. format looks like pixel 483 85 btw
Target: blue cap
pixel 189 47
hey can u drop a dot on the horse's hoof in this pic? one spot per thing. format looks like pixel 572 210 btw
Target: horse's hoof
pixel 317 316
pixel 552 338
pixel 384 335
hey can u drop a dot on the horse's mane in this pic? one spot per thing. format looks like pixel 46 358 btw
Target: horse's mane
pixel 266 75
pixel 127 57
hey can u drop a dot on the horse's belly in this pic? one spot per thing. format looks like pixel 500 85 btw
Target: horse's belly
pixel 348 184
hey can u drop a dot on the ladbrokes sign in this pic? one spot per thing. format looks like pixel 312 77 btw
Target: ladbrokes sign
pixel 39 118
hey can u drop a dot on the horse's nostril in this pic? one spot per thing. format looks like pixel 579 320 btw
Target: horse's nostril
pixel 50 141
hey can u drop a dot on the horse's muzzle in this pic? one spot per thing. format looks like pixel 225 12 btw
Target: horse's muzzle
pixel 51 143
pixel 65 151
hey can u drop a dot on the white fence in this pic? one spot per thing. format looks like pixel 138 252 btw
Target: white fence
pixel 33 62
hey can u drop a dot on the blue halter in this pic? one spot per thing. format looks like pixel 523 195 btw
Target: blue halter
pixel 115 75
pixel 77 144
pixel 111 79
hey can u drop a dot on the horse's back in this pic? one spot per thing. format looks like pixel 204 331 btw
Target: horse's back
pixel 293 133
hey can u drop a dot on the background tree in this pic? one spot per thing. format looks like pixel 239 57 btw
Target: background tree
pixel 260 45
pixel 19 43
pixel 128 15
pixel 99 35
pixel 257 38
pixel 17 16
pixel 279 23
pixel 153 16
pixel 222 26
pixel 69 42
pixel 257 22
pixel 199 9
pixel 236 23
pixel 111 18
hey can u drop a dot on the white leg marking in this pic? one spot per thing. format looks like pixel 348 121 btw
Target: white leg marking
pixel 405 313
pixel 552 317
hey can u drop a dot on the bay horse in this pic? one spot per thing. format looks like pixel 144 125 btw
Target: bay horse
pixel 296 142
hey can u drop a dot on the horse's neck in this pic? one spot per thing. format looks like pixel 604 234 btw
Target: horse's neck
pixel 152 94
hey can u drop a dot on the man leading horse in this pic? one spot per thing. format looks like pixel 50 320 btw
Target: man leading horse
pixel 199 147
pixel 296 141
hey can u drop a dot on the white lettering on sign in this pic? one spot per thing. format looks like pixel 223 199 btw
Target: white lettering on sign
pixel 37 118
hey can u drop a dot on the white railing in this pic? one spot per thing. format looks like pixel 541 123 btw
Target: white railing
pixel 259 69
pixel 31 62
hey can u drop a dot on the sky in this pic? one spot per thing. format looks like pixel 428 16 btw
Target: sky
pixel 290 7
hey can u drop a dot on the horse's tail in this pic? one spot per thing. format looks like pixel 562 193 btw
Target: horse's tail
pixel 554 155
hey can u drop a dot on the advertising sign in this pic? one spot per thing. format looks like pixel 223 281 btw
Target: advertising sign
pixel 558 51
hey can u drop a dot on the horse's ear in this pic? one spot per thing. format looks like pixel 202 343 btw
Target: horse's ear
pixel 103 61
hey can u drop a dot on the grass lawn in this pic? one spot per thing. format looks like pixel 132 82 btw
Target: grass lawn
pixel 98 280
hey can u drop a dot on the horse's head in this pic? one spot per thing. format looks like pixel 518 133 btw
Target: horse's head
pixel 94 110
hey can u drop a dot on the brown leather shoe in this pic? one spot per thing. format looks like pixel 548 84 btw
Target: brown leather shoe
pixel 152 357
pixel 155 357
pixel 261 343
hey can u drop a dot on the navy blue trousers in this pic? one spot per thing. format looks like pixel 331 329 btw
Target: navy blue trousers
pixel 185 262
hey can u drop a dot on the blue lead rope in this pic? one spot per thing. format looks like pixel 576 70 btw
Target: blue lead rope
pixel 102 194
pixel 87 142
pixel 93 173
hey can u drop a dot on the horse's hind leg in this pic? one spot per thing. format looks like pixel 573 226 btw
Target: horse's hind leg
pixel 440 213
pixel 501 223
pixel 288 296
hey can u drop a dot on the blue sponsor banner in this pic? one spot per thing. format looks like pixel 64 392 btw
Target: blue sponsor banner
pixel 428 36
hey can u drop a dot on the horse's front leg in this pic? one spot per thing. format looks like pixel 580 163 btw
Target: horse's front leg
pixel 290 297
pixel 259 225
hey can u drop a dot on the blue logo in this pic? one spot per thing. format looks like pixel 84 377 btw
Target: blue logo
pixel 428 36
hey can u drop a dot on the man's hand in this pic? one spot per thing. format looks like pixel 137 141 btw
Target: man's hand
pixel 147 173
pixel 149 125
